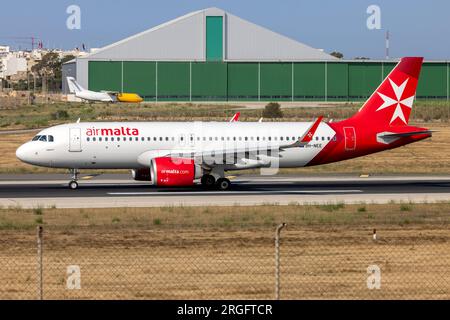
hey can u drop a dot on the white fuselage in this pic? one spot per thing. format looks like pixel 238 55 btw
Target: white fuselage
pixel 94 96
pixel 131 145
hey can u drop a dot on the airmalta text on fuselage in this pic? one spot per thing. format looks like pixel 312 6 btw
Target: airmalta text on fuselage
pixel 122 131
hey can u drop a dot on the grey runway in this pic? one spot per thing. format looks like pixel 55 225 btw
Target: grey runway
pixel 121 191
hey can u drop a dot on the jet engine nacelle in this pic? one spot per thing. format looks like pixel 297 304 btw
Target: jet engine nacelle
pixel 171 172
pixel 141 174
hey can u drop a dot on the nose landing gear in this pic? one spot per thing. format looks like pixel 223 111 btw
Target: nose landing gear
pixel 73 184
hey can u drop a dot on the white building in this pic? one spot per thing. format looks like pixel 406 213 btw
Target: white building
pixel 12 63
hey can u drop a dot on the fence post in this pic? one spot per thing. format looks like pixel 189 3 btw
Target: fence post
pixel 277 260
pixel 39 261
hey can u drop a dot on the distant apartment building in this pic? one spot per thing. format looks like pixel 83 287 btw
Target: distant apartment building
pixel 12 64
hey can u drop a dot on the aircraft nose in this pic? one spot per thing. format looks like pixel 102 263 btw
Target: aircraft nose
pixel 22 153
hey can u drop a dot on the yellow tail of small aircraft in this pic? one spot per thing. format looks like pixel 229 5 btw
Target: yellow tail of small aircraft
pixel 129 97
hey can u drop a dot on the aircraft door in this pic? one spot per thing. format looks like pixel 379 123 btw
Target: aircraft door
pixel 75 140
pixel 350 138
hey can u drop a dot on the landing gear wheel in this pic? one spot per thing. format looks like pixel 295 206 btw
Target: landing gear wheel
pixel 223 184
pixel 73 185
pixel 208 181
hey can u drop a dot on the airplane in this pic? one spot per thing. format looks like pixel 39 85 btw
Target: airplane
pixel 177 154
pixel 104 96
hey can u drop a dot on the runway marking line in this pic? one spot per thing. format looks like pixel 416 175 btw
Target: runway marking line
pixel 226 192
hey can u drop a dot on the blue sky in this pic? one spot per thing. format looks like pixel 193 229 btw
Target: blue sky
pixel 416 27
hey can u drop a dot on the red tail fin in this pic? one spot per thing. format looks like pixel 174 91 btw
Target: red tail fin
pixel 391 103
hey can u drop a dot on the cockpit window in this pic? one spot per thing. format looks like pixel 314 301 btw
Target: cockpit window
pixel 43 138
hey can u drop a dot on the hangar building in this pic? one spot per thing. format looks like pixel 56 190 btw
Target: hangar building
pixel 212 55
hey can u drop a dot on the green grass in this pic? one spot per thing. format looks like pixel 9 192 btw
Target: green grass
pixel 331 207
pixel 331 215
pixel 44 115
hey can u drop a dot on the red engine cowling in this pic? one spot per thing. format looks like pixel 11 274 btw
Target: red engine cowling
pixel 171 172
pixel 141 174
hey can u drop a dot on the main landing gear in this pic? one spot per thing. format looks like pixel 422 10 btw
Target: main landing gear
pixel 209 181
pixel 73 184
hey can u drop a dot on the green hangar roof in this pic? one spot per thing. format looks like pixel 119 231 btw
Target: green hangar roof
pixel 209 35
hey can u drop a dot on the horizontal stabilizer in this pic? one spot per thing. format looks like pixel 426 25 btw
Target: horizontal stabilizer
pixel 406 134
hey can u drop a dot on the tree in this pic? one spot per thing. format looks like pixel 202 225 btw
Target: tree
pixel 272 110
pixel 337 54
pixel 50 66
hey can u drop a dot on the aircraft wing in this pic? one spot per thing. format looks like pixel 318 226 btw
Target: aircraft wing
pixel 257 152
pixel 110 92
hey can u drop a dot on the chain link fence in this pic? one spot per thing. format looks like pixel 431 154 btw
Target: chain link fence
pixel 245 264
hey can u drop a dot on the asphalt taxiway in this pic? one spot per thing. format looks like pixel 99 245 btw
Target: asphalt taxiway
pixel 112 190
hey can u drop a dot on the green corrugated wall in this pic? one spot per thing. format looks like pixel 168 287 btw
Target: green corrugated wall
pixel 243 81
pixel 309 81
pixel 174 81
pixel 140 77
pixel 276 81
pixel 253 81
pixel 105 76
pixel 209 81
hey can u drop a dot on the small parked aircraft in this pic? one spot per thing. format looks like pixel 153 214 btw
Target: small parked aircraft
pixel 103 96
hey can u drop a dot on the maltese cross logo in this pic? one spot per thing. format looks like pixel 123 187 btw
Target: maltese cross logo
pixel 398 102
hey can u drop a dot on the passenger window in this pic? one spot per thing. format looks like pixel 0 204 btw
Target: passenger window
pixel 148 138
pixel 323 138
pixel 93 139
pixel 317 138
pixel 100 139
pixel 154 138
pixel 246 138
pixel 112 139
pixel 88 139
pixel 137 139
